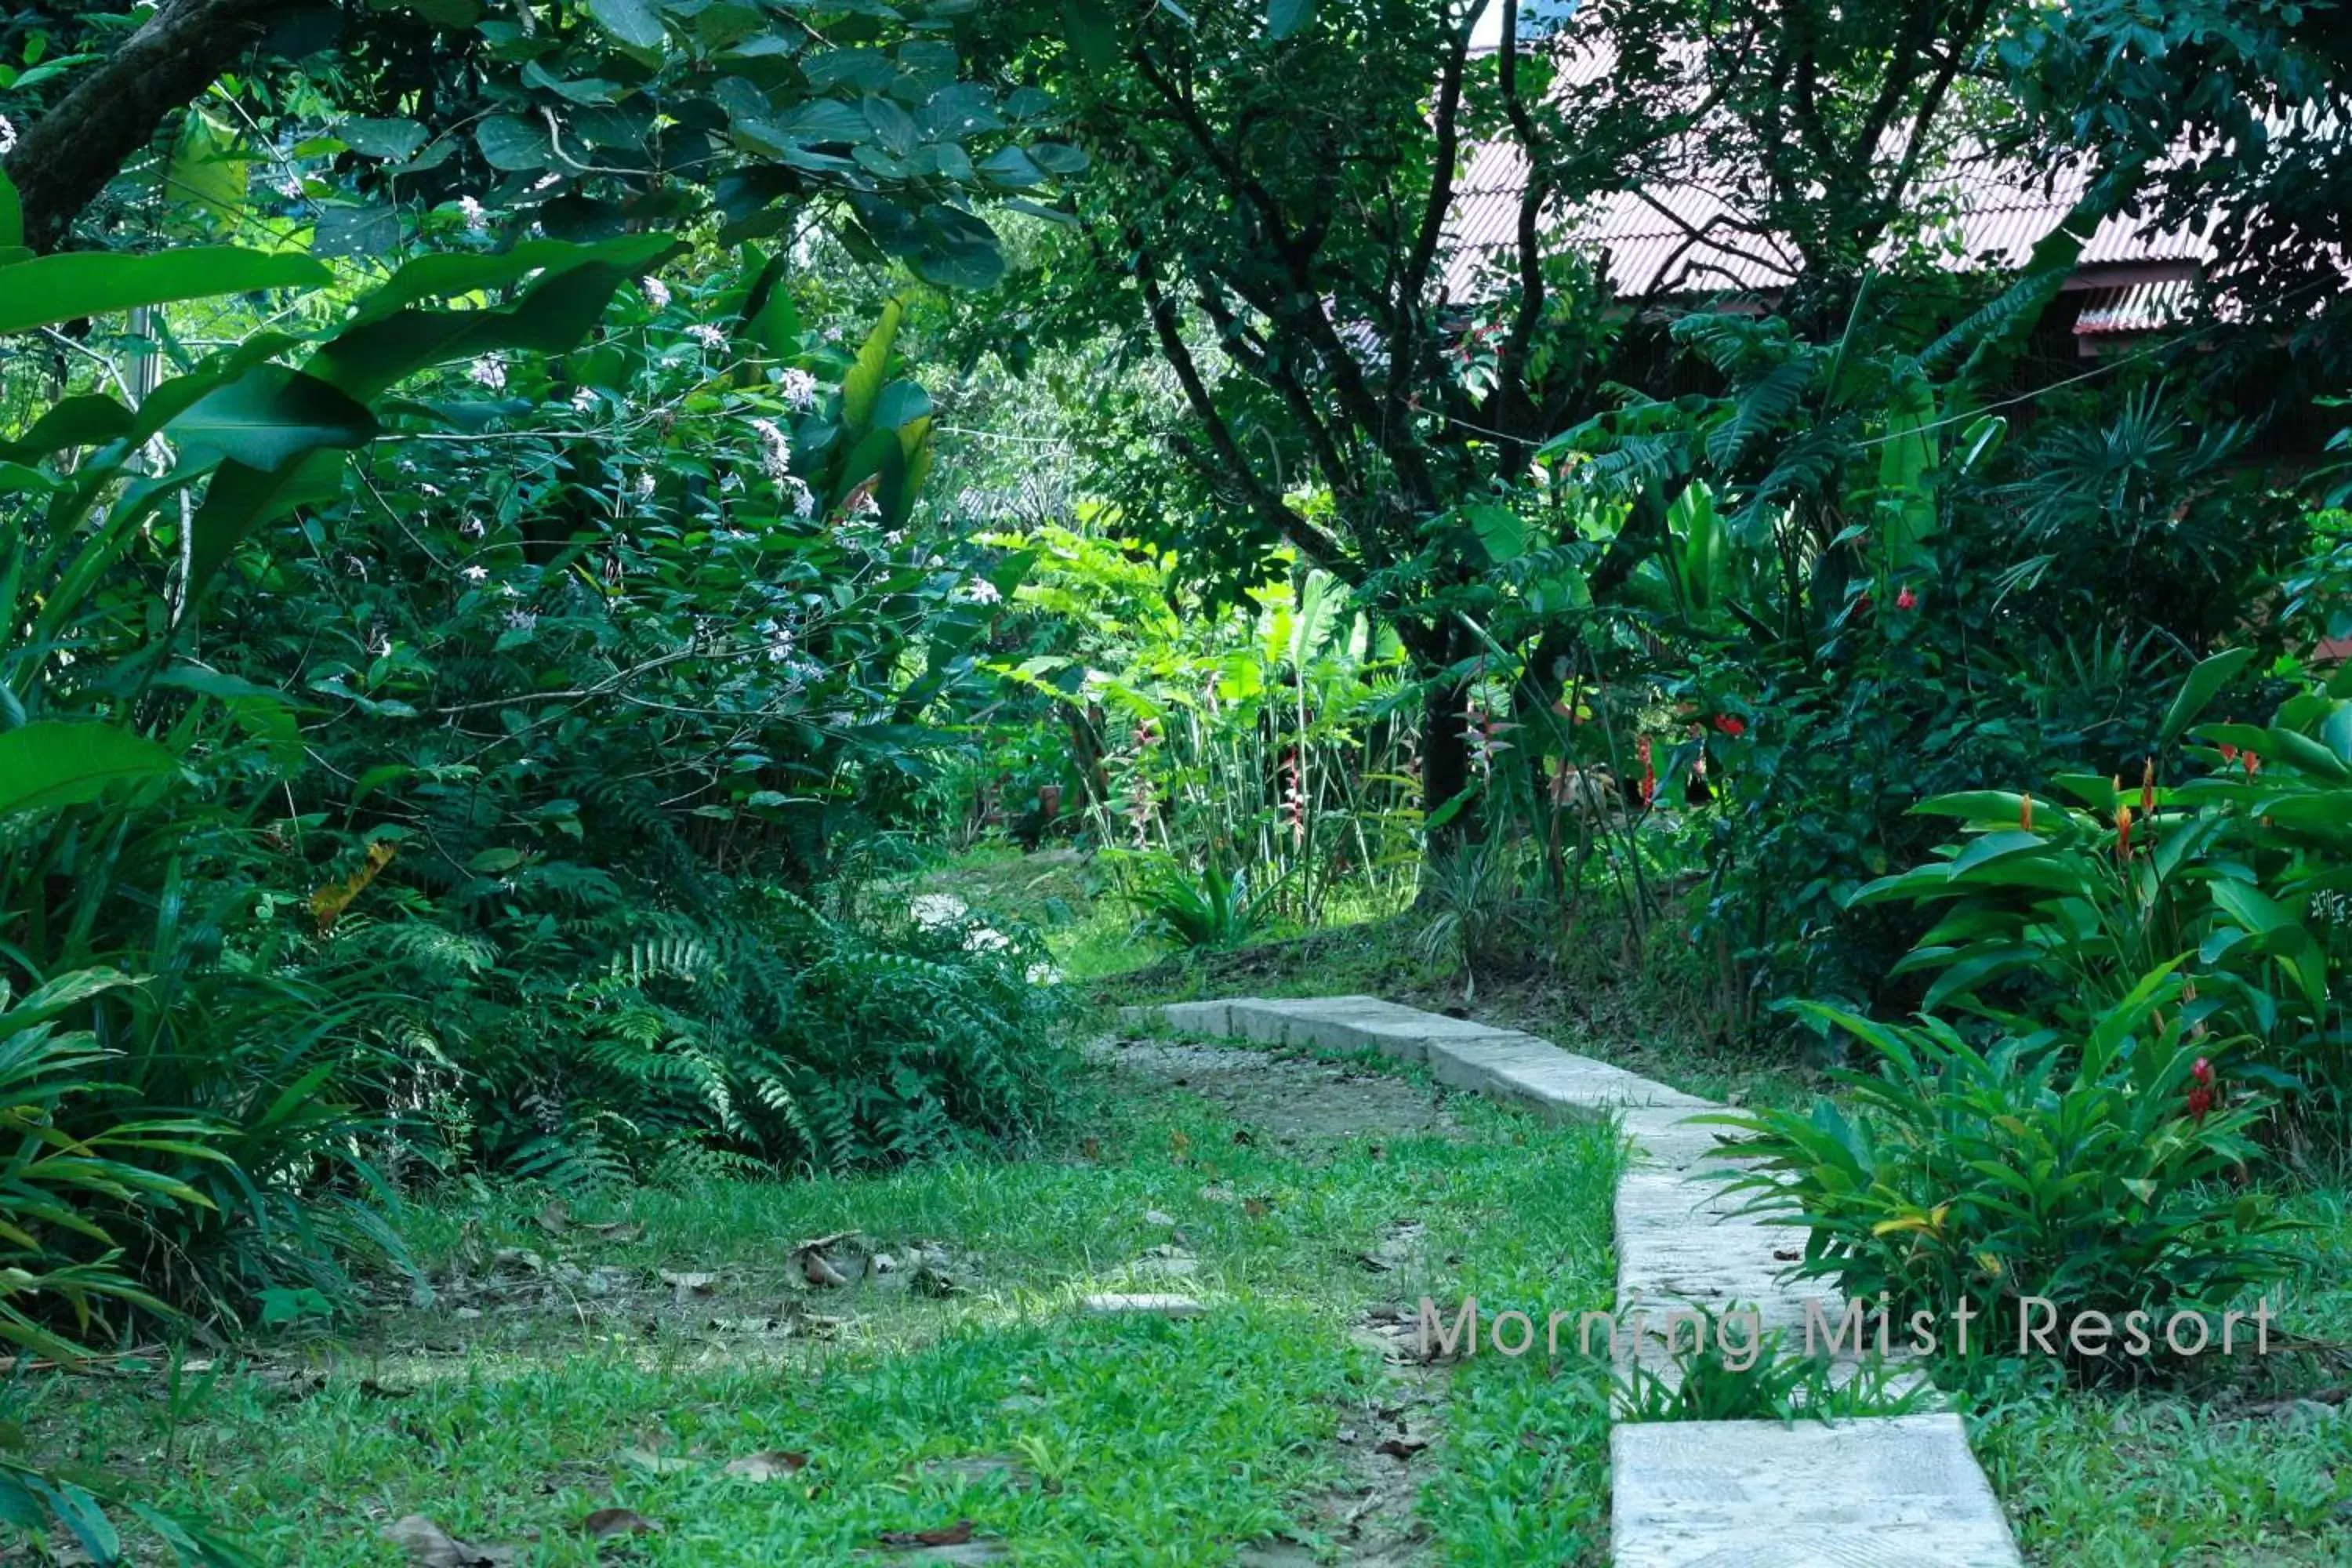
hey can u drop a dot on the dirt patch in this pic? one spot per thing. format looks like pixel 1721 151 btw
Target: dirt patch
pixel 1290 1098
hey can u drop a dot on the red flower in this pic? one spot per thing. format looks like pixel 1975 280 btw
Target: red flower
pixel 1907 600
pixel 1649 777
pixel 2228 753
pixel 1731 726
pixel 2123 832
pixel 2203 1071
pixel 2200 1102
pixel 2254 765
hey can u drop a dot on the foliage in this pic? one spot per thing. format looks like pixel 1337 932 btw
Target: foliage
pixel 1771 1384
pixel 2052 910
pixel 2090 1169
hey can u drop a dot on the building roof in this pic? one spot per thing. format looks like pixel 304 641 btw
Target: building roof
pixel 1683 233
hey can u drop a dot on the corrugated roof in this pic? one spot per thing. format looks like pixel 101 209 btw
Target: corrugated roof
pixel 2135 308
pixel 1683 232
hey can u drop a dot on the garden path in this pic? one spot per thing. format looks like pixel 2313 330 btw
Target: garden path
pixel 1873 1493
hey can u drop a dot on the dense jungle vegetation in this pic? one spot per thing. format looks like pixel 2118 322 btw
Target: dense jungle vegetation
pixel 645 608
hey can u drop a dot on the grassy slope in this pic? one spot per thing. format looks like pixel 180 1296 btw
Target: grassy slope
pixel 1075 1439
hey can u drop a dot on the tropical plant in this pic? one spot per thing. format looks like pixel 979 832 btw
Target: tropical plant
pixel 2092 1169
pixel 63 1196
pixel 2053 909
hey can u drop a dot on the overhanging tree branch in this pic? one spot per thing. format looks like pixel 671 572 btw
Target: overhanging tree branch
pixel 67 156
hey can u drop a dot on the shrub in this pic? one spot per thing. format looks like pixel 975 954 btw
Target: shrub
pixel 2092 1170
pixel 2057 910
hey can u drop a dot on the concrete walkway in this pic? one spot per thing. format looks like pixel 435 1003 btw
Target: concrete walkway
pixel 1892 1492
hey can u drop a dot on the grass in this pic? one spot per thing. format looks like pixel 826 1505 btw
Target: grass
pixel 2244 1468
pixel 540 1388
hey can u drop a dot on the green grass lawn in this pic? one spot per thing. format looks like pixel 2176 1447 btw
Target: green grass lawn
pixel 542 1388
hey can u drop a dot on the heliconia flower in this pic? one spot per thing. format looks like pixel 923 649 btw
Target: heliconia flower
pixel 2025 814
pixel 2123 832
pixel 1907 600
pixel 2228 753
pixel 2254 765
pixel 2148 788
pixel 1649 777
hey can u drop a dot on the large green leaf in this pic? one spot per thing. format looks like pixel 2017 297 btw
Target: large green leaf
pixel 2203 683
pixel 204 179
pixel 1283 18
pixel 50 762
pixel 370 358
pixel 449 273
pixel 12 214
pixel 270 415
pixel 633 22
pixel 51 289
pixel 862 387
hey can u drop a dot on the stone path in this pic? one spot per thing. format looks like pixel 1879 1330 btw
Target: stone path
pixel 1889 1492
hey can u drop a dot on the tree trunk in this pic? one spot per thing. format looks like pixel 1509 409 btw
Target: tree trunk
pixel 67 156
pixel 1445 768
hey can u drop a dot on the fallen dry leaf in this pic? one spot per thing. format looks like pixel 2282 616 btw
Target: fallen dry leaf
pixel 606 1523
pixel 430 1546
pixel 555 1218
pixel 1179 1145
pixel 1257 1208
pixel 1401 1447
pixel 819 1268
pixel 1159 1217
pixel 954 1534
pixel 768 1464
pixel 690 1284
pixel 657 1464
pixel 613 1230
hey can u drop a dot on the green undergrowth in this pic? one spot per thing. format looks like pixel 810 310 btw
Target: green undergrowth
pixel 564 1369
pixel 2243 1466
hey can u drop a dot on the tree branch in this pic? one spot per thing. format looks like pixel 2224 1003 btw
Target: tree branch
pixel 67 156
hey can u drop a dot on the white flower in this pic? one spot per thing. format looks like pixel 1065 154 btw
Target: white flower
pixel 478 220
pixel 8 136
pixel 895 538
pixel 800 498
pixel 471 528
pixel 584 399
pixel 780 641
pixel 522 620
pixel 433 490
pixel 490 371
pixel 799 389
pixel 832 334
pixel 474 573
pixel 646 485
pixel 775 450
pixel 656 292
pixel 865 505
pixel 981 590
pixel 290 187
pixel 708 336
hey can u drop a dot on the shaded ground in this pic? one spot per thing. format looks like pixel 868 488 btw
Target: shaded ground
pixel 903 1368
